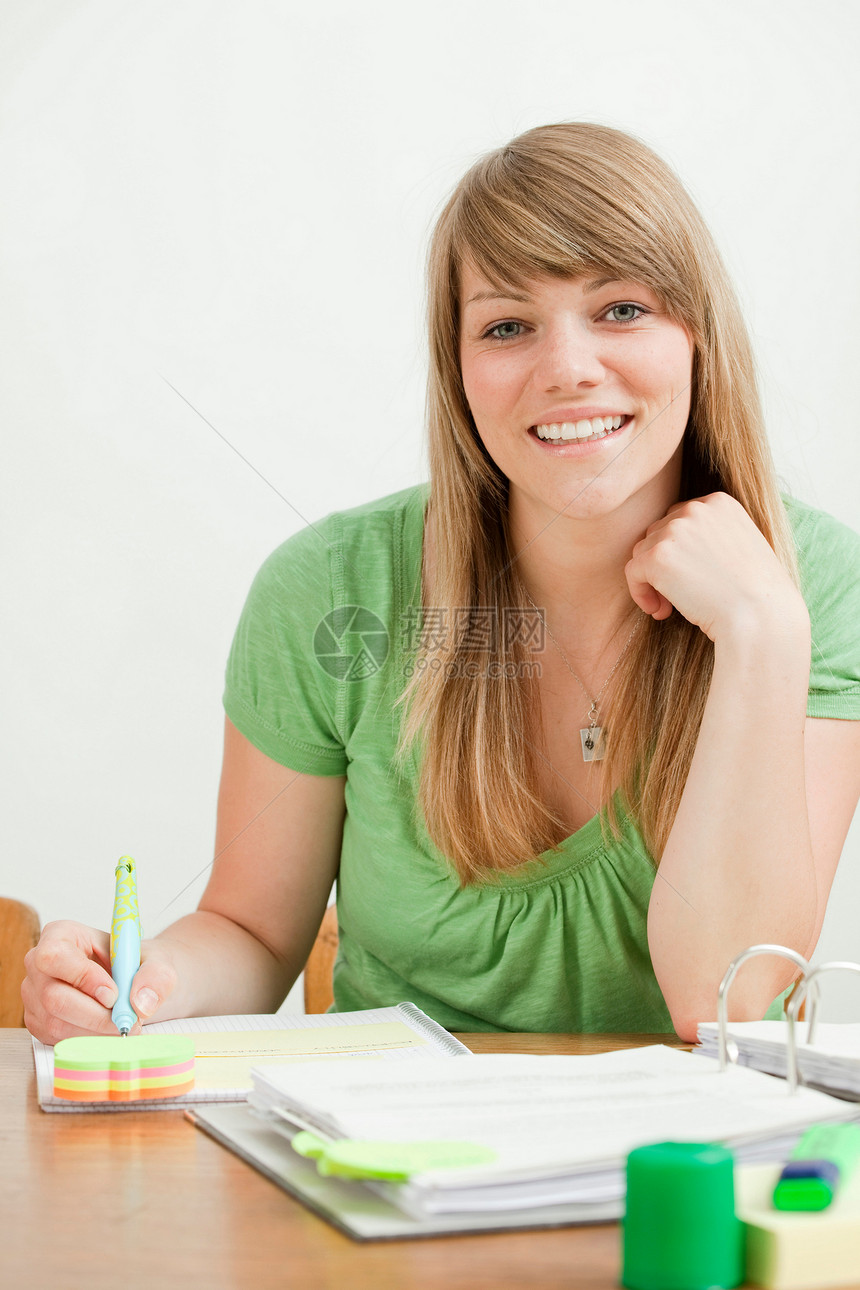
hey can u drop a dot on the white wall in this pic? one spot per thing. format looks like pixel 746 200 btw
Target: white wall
pixel 234 198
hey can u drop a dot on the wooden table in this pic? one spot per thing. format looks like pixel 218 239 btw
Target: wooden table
pixel 144 1200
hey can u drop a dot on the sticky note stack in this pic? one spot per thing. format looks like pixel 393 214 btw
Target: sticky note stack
pixel 104 1069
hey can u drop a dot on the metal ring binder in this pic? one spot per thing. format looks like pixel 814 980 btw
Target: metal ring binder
pixel 808 982
pixel 723 995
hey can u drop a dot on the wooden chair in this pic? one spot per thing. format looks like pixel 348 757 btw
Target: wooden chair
pixel 320 965
pixel 19 932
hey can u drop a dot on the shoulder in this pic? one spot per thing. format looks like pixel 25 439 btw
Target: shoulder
pixel 828 554
pixel 820 537
pixel 351 544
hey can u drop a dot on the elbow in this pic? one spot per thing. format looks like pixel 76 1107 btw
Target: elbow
pixel 750 1004
pixel 686 1027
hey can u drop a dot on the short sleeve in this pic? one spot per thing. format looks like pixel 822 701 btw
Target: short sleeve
pixel 277 694
pixel 829 558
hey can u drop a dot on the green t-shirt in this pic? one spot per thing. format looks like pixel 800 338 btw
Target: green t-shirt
pixel 320 654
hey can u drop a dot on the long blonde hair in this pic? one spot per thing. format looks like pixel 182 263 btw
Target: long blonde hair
pixel 563 200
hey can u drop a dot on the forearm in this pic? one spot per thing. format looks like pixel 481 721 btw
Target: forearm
pixel 738 866
pixel 219 968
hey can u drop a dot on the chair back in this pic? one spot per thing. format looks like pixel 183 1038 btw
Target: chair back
pixel 319 969
pixel 19 932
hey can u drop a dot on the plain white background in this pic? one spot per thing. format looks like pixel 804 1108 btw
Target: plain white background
pixel 233 200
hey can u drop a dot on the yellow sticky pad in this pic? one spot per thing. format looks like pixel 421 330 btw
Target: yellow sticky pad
pixel 106 1069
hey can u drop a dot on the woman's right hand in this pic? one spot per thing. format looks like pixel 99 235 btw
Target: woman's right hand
pixel 68 989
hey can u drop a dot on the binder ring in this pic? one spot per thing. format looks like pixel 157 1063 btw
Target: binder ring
pixel 808 982
pixel 731 973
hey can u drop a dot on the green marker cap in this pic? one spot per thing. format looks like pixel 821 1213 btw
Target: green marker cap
pixel 680 1231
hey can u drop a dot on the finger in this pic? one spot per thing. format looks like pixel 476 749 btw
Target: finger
pixel 154 981
pixel 647 597
pixel 676 511
pixel 54 1010
pixel 656 527
pixel 651 602
pixel 76 955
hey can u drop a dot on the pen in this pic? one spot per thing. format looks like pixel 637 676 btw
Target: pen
pixel 124 943
pixel 823 1159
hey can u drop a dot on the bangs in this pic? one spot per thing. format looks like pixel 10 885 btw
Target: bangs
pixel 518 217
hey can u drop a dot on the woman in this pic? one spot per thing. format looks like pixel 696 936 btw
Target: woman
pixel 563 734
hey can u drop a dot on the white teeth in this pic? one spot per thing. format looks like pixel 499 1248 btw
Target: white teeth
pixel 596 428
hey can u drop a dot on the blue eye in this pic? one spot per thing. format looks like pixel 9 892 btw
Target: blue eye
pixel 639 312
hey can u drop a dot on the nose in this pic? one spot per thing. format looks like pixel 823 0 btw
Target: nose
pixel 570 357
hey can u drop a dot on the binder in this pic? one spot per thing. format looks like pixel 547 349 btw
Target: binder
pixel 560 1127
pixel 822 1056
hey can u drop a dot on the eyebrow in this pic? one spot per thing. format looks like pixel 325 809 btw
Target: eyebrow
pixel 481 296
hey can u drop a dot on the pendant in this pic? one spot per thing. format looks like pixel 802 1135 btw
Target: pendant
pixel 593 743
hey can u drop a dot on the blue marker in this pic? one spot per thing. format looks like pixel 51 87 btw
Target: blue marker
pixel 124 943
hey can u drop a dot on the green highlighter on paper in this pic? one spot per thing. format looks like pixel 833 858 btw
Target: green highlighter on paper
pixel 824 1158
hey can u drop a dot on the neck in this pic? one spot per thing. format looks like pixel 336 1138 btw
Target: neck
pixel 573 568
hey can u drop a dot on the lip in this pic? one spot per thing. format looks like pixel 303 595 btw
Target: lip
pixel 579 447
pixel 557 415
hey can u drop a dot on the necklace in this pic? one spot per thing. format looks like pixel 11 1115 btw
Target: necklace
pixel 593 737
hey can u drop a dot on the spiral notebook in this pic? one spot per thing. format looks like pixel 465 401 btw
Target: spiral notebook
pixel 227 1047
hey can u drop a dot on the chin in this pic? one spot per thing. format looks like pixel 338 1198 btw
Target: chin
pixel 586 503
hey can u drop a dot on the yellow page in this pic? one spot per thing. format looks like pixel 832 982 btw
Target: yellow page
pixel 214 1073
pixel 223 1059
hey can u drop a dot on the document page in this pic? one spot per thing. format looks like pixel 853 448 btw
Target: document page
pixel 832 1063
pixel 543 1115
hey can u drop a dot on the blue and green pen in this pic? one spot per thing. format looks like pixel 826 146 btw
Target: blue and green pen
pixel 124 943
pixel 824 1158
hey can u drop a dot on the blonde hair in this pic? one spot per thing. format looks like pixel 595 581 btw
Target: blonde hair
pixel 563 200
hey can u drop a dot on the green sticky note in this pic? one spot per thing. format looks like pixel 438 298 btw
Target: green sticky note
pixel 115 1053
pixel 388 1161
pixel 308 1144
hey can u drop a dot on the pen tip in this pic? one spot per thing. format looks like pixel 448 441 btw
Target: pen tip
pixel 124 1032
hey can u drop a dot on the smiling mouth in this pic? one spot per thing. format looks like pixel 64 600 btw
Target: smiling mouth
pixel 580 431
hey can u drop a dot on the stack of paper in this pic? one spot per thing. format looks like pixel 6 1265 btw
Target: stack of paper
pixel 560 1127
pixel 832 1063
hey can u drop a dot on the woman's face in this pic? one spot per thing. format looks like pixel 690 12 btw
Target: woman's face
pixel 563 351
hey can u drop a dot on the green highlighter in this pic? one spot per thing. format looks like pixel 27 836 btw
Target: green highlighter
pixel 822 1161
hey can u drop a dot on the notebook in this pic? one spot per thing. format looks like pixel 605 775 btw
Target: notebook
pixel 227 1047
pixel 560 1127
pixel 832 1063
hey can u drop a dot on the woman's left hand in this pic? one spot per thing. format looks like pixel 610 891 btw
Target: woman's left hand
pixel 707 559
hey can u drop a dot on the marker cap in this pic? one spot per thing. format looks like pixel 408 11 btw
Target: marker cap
pixel 680 1231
